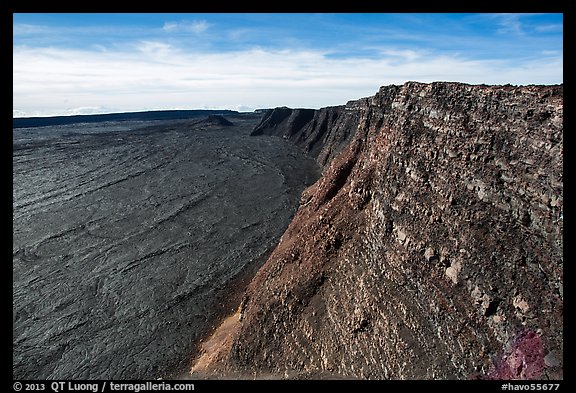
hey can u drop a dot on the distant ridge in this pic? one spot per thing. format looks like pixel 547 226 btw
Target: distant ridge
pixel 22 122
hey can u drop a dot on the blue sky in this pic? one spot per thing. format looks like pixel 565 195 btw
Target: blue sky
pixel 100 63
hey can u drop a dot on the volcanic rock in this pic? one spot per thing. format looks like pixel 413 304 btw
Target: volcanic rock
pixel 431 247
pixel 130 239
pixel 320 133
pixel 217 120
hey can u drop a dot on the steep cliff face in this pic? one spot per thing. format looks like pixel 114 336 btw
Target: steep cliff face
pixel 321 133
pixel 430 248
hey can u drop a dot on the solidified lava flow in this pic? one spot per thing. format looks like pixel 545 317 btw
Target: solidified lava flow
pixel 128 236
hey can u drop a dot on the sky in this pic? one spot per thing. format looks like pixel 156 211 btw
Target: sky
pixel 67 64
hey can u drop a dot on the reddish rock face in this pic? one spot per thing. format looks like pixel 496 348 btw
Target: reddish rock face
pixel 524 360
pixel 432 241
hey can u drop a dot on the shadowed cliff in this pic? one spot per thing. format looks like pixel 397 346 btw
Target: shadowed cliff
pixel 320 133
pixel 431 248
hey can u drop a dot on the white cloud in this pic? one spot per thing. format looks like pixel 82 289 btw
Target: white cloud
pixel 155 75
pixel 24 29
pixel 83 110
pixel 520 25
pixel 550 28
pixel 195 26
pixel 405 54
pixel 510 24
pixel 19 113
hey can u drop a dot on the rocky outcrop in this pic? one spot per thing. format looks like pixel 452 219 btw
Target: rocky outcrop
pixel 431 247
pixel 217 120
pixel 320 133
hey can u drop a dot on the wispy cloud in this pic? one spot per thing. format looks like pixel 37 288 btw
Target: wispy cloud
pixel 404 54
pixel 156 50
pixel 549 28
pixel 26 29
pixel 523 24
pixel 140 61
pixel 510 24
pixel 156 75
pixel 195 26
